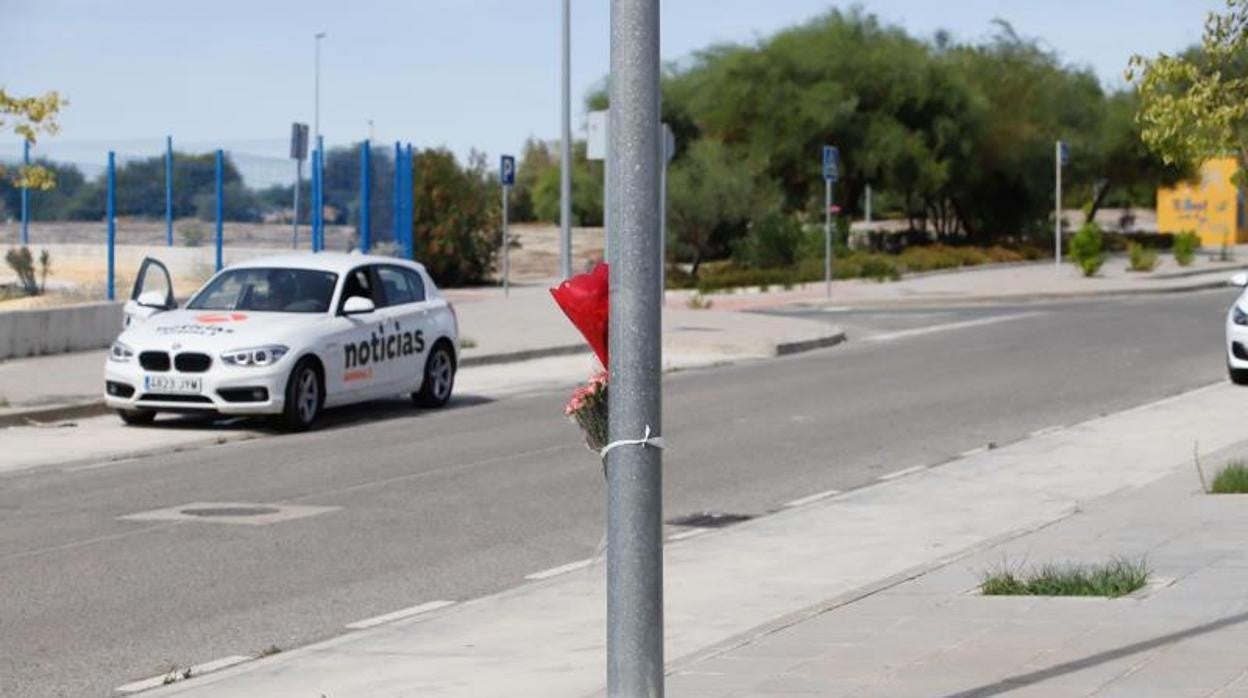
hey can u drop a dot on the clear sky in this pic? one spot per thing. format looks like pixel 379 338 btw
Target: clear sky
pixel 460 73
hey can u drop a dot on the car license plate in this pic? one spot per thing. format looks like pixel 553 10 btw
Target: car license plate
pixel 181 385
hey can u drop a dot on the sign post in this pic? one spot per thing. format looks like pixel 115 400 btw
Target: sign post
pixel 831 170
pixel 668 144
pixel 1060 158
pixel 598 125
pixel 298 153
pixel 507 177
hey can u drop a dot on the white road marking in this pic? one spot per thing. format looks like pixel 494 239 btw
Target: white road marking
pixel 1046 431
pixel 399 615
pixel 97 466
pixel 903 334
pixel 903 473
pixel 175 675
pixel 972 452
pixel 561 569
pixel 684 535
pixel 812 498
pixel 836 309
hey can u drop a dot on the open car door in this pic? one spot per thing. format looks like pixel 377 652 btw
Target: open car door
pixel 152 293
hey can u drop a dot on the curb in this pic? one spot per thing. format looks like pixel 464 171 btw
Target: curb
pixel 524 355
pixel 830 340
pixel 53 414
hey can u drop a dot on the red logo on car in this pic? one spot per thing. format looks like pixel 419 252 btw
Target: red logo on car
pixel 219 318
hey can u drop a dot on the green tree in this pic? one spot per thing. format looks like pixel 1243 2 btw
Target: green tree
pixel 29 117
pixel 1194 107
pixel 457 225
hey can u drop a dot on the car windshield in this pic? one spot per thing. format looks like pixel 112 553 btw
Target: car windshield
pixel 268 289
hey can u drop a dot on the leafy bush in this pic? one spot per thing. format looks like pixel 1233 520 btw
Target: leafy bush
pixel 457 227
pixel 771 241
pixel 1141 258
pixel 23 264
pixel 1185 245
pixel 192 234
pixel 1087 249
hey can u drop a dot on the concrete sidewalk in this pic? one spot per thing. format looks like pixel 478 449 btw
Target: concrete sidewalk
pixel 1030 281
pixel 728 587
pixel 526 325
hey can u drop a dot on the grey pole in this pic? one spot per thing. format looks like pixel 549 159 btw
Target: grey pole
pixel 1057 206
pixel 565 151
pixel 634 473
pixel 663 221
pixel 506 246
pixel 316 113
pixel 868 211
pixel 827 237
pixel 294 233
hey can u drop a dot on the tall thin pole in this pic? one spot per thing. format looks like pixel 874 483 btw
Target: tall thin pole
pixel 506 246
pixel 294 231
pixel 1057 206
pixel 565 151
pixel 868 212
pixel 316 109
pixel 827 237
pixel 111 213
pixel 168 191
pixel 396 203
pixel 366 164
pixel 220 207
pixel 409 203
pixel 25 194
pixel 634 477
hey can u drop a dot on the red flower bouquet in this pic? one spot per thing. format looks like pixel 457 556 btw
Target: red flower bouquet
pixel 586 301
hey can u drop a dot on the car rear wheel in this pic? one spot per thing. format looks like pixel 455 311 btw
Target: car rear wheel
pixel 1239 376
pixel 305 394
pixel 137 417
pixel 435 389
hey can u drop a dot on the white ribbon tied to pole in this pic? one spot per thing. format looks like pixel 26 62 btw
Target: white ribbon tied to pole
pixel 647 440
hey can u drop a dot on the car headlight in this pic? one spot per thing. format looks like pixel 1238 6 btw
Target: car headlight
pixel 1238 316
pixel 255 356
pixel 120 353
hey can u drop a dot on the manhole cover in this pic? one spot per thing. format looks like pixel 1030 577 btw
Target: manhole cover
pixel 709 519
pixel 231 511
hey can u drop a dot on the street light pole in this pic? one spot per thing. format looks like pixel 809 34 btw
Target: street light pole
pixel 565 151
pixel 633 458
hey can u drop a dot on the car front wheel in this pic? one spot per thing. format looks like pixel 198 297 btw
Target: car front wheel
pixel 304 397
pixel 137 417
pixel 435 389
pixel 1239 376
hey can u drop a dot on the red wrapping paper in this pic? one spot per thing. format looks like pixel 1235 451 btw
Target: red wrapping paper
pixel 584 299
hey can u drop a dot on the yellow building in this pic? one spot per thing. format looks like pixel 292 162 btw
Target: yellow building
pixel 1213 207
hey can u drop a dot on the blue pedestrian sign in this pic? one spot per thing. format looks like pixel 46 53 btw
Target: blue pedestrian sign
pixel 507 171
pixel 831 163
pixel 1063 153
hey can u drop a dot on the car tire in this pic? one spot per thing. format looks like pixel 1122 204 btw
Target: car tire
pixel 1238 376
pixel 435 389
pixel 305 396
pixel 137 418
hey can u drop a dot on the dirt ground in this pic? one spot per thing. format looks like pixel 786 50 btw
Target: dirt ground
pixel 534 255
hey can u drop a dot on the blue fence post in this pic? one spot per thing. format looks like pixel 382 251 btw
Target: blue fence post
pixel 318 197
pixel 366 231
pixel 169 191
pixel 396 202
pixel 111 214
pixel 25 195
pixel 220 207
pixel 409 234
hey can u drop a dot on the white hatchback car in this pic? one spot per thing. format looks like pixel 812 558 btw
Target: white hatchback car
pixel 287 336
pixel 1237 333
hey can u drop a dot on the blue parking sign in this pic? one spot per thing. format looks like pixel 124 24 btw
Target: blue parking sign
pixel 1063 153
pixel 831 163
pixel 507 171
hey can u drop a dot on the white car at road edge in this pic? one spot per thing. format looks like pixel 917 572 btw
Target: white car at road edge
pixel 1237 333
pixel 285 335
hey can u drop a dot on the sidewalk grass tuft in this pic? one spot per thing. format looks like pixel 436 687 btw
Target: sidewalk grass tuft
pixel 1118 577
pixel 1232 479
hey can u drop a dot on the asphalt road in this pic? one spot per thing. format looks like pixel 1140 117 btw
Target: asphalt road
pixel 467 501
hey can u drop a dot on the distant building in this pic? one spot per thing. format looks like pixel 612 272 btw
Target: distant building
pixel 1212 207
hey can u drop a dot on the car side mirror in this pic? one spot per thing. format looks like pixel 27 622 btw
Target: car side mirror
pixel 1240 279
pixel 358 305
pixel 153 299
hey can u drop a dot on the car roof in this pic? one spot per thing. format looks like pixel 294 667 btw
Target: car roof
pixel 337 262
